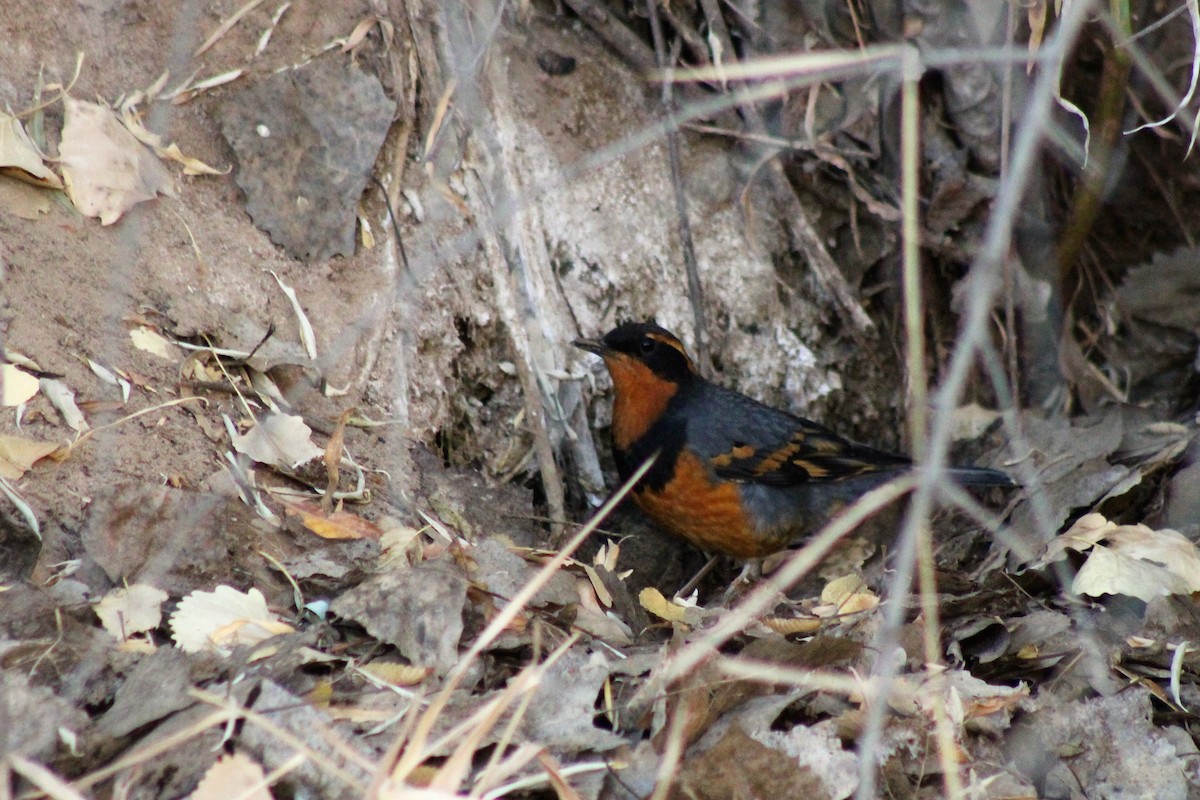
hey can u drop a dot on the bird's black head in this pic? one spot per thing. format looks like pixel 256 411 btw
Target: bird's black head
pixel 646 343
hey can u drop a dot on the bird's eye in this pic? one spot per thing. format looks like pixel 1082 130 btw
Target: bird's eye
pixel 647 345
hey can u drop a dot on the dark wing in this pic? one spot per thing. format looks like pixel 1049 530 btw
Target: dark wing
pixel 749 442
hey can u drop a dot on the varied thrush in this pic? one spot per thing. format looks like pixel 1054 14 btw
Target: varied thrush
pixel 733 475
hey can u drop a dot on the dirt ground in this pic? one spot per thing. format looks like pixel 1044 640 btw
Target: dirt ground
pixel 530 174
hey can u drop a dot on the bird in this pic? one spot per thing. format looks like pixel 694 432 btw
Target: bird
pixel 733 475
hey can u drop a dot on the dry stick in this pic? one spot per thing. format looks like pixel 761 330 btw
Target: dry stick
pixel 413 756
pixel 1088 198
pixel 695 290
pixel 795 216
pixel 469 733
pixel 983 282
pixel 914 329
pixel 694 41
pixel 48 782
pixel 168 743
pixel 319 759
pixel 613 31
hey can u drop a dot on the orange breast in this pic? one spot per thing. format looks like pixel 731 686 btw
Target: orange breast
pixel 640 398
pixel 706 512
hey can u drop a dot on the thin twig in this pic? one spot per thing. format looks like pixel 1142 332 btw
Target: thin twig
pixel 686 244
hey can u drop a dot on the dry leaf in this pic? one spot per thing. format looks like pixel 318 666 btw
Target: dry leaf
pixel 17 455
pixel 223 619
pixel 1132 560
pixel 279 440
pixel 20 157
pixel 653 601
pixel 22 200
pixel 154 343
pixel 124 612
pixel 16 385
pixel 333 459
pixel 231 777
pixel 107 171
pixel 336 525
pixel 846 595
pixel 395 673
pixel 63 399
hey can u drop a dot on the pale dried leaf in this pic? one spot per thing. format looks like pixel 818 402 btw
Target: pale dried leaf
pixel 16 385
pixel 1153 567
pixel 231 777
pixel 63 399
pixel 280 440
pixel 153 342
pixel 124 612
pixel 22 200
pixel 20 157
pixel 107 171
pixel 171 152
pixel 223 619
pixel 17 455
pixel 395 673
pixel 1132 560
pixel 307 337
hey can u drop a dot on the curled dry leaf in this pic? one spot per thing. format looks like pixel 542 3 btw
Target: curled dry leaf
pixel 124 612
pixel 63 399
pixel 395 673
pixel 1132 560
pixel 107 171
pixel 334 525
pixel 846 595
pixel 171 152
pixel 223 619
pixel 653 601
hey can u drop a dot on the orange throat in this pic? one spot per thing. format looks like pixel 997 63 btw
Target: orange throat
pixel 640 398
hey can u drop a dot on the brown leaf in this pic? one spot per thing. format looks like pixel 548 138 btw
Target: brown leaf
pixel 738 766
pixel 337 525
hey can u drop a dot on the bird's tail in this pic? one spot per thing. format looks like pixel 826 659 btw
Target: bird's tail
pixel 979 476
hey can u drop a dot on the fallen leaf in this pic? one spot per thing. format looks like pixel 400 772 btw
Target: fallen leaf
pixel 63 399
pixel 1131 560
pixel 846 595
pixel 124 612
pixel 235 775
pixel 155 343
pixel 223 619
pixel 653 601
pixel 22 200
pixel 280 440
pixel 20 157
pixel 395 673
pixel 335 525
pixel 107 171
pixel 191 166
pixel 17 455
pixel 16 385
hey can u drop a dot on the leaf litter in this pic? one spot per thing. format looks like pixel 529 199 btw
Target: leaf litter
pixel 552 702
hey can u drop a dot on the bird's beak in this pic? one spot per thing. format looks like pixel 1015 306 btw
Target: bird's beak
pixel 592 346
